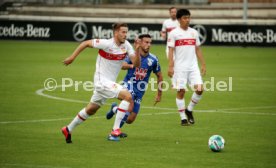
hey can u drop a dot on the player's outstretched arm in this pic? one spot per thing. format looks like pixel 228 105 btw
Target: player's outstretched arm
pixel 160 86
pixel 78 50
pixel 201 60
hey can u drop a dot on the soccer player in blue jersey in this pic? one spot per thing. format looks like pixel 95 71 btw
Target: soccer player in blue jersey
pixel 136 80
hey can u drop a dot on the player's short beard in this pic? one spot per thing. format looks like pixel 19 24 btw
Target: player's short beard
pixel 122 41
pixel 146 51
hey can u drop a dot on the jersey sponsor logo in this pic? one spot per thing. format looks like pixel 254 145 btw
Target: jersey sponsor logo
pixel 140 73
pixel 80 31
pixel 110 56
pixel 182 42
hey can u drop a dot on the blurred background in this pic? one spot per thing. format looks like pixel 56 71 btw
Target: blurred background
pixel 245 22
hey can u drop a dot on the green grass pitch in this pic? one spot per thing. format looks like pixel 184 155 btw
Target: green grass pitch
pixel 30 124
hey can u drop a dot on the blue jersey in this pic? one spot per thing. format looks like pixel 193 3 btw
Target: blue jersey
pixel 137 78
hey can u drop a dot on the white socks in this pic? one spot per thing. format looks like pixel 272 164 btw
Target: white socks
pixel 194 100
pixel 180 103
pixel 121 111
pixel 82 116
pixel 114 110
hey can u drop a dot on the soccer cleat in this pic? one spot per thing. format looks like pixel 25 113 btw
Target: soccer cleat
pixel 113 138
pixel 190 116
pixel 67 134
pixel 110 114
pixel 184 122
pixel 116 132
pixel 123 135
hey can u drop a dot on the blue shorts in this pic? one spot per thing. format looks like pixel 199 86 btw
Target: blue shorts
pixel 137 98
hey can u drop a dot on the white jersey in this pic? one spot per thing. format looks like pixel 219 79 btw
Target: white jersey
pixel 184 43
pixel 169 25
pixel 110 59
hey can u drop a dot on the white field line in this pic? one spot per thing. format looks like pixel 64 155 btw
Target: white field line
pixel 144 114
pixel 40 93
pixel 223 111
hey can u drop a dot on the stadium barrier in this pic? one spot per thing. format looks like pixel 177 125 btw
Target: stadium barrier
pixel 231 35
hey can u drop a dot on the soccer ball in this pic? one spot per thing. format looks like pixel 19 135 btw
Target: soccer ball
pixel 216 143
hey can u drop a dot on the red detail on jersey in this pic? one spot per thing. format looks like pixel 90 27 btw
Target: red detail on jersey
pixel 182 42
pixel 140 73
pixel 112 56
pixel 169 29
pixel 182 110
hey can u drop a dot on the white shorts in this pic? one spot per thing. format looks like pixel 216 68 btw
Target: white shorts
pixel 181 79
pixel 105 90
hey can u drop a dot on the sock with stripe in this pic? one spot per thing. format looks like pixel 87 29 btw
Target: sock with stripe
pixel 180 103
pixel 194 100
pixel 82 116
pixel 124 119
pixel 121 111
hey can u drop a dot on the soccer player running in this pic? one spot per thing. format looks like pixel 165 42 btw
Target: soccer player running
pixel 111 55
pixel 184 44
pixel 137 78
pixel 168 25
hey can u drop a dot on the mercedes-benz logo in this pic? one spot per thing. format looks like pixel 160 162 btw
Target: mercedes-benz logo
pixel 201 32
pixel 80 31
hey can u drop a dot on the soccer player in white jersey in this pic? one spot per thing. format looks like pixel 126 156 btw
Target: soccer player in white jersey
pixel 168 25
pixel 111 55
pixel 184 44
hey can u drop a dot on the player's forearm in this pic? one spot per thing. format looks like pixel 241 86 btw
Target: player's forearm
pixel 171 62
pixel 136 59
pixel 79 49
pixel 127 66
pixel 160 83
pixel 200 57
pixel 163 34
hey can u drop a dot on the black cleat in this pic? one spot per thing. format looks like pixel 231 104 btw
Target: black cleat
pixel 123 135
pixel 184 122
pixel 67 134
pixel 190 116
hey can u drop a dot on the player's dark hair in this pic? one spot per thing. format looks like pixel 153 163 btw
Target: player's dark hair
pixel 141 36
pixel 172 8
pixel 117 26
pixel 182 12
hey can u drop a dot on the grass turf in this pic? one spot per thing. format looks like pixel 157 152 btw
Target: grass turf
pixel 30 124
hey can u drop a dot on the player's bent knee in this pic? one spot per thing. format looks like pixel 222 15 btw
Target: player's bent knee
pixel 131 118
pixel 129 121
pixel 128 98
pixel 125 95
pixel 91 108
pixel 199 89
